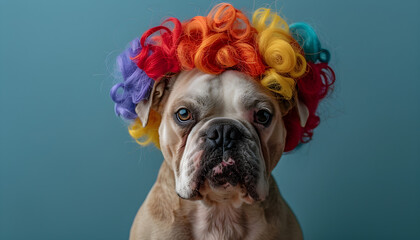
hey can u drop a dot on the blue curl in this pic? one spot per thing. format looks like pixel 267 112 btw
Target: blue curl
pixel 306 37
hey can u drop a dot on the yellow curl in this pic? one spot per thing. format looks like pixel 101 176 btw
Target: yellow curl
pixel 277 83
pixel 300 67
pixel 266 37
pixel 263 18
pixel 280 55
pixel 149 133
pixel 279 51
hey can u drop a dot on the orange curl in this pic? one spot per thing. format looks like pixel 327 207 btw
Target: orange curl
pixel 241 28
pixel 207 52
pixel 185 52
pixel 227 56
pixel 194 31
pixel 225 18
pixel 223 40
pixel 221 17
pixel 251 62
pixel 196 28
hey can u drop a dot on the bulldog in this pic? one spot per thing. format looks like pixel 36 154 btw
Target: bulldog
pixel 221 136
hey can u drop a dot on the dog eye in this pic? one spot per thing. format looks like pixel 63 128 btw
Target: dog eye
pixel 183 115
pixel 263 117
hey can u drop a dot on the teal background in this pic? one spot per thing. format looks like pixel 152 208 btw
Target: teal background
pixel 69 170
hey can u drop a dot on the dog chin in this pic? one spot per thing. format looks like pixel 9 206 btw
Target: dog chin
pixel 214 193
pixel 221 190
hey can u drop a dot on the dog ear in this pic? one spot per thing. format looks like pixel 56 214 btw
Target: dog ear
pixel 302 112
pixel 155 100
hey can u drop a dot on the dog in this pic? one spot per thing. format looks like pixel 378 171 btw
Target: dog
pixel 222 98
pixel 221 135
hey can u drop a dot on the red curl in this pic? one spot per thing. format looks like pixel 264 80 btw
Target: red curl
pixel 313 87
pixel 158 54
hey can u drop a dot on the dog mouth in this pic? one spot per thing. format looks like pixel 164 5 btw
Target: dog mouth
pixel 228 177
pixel 226 172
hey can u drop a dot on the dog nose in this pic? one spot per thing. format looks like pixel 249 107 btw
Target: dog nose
pixel 223 135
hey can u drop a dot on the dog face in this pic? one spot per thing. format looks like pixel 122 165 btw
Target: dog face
pixel 221 134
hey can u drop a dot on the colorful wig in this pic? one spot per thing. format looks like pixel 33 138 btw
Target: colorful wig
pixel 287 60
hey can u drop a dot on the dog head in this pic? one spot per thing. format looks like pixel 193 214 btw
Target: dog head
pixel 221 134
pixel 229 94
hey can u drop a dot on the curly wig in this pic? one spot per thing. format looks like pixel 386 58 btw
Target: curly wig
pixel 288 60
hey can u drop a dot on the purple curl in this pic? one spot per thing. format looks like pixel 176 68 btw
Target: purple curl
pixel 136 85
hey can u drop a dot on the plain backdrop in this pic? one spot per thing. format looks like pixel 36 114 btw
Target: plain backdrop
pixel 69 169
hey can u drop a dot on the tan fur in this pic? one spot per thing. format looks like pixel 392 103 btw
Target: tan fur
pixel 164 215
pixel 224 214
